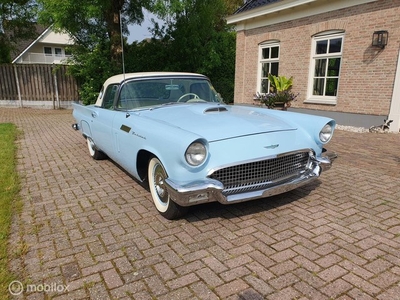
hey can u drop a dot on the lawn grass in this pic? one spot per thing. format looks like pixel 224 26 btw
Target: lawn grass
pixel 9 188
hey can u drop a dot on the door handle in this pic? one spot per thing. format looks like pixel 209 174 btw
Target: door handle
pixel 94 115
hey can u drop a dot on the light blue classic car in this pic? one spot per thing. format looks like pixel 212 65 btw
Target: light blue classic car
pixel 173 131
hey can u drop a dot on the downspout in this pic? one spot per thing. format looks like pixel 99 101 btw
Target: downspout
pixel 394 113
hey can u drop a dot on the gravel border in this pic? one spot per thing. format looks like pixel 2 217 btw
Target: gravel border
pixel 352 128
pixel 357 129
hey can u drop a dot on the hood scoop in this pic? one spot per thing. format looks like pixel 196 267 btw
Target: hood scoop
pixel 215 109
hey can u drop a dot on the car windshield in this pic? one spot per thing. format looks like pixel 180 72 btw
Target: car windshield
pixel 140 93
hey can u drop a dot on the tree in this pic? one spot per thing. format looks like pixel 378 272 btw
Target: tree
pixel 96 27
pixel 195 38
pixel 92 69
pixel 233 5
pixel 16 23
pixel 91 22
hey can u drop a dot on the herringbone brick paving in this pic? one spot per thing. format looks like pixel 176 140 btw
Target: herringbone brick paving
pixel 87 225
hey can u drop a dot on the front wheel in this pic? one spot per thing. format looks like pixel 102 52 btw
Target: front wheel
pixel 165 206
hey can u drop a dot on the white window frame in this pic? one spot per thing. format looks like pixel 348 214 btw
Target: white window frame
pixel 47 54
pixel 261 61
pixel 60 51
pixel 328 35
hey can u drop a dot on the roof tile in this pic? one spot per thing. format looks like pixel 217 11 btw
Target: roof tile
pixel 251 4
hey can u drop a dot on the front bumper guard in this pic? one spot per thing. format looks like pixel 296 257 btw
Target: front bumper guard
pixel 211 190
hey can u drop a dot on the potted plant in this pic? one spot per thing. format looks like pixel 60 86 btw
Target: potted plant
pixel 281 94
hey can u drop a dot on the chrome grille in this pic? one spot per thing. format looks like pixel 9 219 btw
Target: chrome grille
pixel 261 174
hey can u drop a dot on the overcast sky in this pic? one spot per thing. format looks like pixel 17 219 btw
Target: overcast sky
pixel 141 32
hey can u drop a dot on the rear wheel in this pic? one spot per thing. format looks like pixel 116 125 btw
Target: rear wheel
pixel 94 153
pixel 165 206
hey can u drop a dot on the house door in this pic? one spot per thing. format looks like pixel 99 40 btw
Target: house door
pixel 394 113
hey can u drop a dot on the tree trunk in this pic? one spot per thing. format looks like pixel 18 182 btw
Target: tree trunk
pixel 114 30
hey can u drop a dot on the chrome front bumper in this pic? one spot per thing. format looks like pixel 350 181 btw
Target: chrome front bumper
pixel 211 190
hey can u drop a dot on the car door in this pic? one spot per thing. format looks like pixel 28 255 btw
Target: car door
pixel 126 144
pixel 102 121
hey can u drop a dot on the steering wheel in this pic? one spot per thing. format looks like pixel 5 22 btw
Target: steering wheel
pixel 188 94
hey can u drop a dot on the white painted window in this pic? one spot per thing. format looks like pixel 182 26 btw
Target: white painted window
pixel 326 59
pixel 58 51
pixel 47 51
pixel 268 63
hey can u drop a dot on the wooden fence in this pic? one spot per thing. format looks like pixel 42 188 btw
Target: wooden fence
pixel 37 85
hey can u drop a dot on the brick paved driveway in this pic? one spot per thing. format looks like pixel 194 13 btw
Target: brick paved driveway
pixel 86 224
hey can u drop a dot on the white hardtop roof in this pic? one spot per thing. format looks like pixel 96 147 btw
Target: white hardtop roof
pixel 121 77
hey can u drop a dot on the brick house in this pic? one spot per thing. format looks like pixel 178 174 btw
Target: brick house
pixel 327 46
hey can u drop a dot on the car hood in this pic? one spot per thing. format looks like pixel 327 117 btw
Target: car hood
pixel 217 122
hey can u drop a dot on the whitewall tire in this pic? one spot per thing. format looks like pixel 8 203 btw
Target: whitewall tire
pixel 165 206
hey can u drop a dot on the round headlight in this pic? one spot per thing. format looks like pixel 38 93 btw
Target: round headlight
pixel 196 154
pixel 326 133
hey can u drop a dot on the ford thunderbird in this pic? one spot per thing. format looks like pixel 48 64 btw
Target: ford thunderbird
pixel 173 131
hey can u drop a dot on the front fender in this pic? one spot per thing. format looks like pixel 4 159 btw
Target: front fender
pixel 310 125
pixel 167 143
pixel 172 152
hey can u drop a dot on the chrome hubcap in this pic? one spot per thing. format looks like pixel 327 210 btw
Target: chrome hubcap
pixel 159 184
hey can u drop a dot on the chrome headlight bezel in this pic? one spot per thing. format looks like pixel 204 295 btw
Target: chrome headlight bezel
pixel 326 133
pixel 196 154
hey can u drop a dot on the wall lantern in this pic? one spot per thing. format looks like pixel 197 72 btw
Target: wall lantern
pixel 380 38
